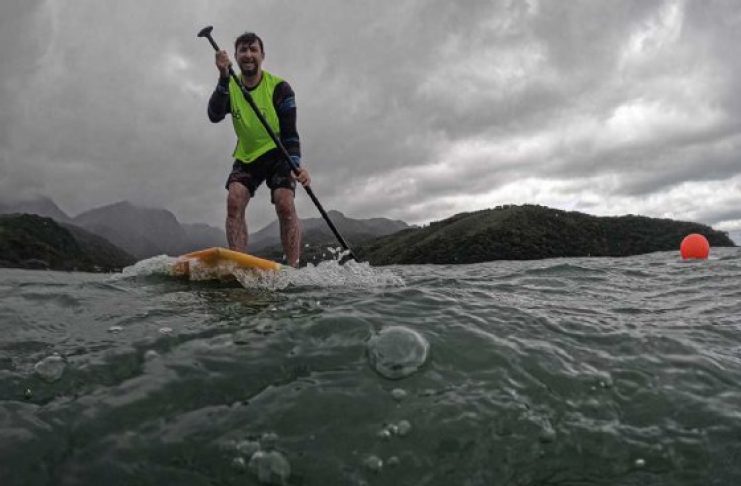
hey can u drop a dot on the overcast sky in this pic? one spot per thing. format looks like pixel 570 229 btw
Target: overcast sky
pixel 407 109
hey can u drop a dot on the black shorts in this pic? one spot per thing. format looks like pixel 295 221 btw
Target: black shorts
pixel 271 167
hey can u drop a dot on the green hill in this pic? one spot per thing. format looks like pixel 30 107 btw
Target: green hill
pixel 531 232
pixel 31 241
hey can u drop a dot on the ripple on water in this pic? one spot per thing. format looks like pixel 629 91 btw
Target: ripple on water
pixel 621 380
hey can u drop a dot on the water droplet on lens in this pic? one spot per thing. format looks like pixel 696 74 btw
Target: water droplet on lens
pixel 50 369
pixel 258 465
pixel 397 352
pixel 239 463
pixel 247 447
pixel 404 427
pixel 269 440
pixel 373 463
pixel 547 434
pixel 270 467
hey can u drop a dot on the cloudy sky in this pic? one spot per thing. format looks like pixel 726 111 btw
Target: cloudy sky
pixel 408 109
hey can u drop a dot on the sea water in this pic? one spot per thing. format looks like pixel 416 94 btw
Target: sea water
pixel 568 371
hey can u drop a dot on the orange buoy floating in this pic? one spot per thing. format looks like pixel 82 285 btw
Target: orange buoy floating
pixel 694 246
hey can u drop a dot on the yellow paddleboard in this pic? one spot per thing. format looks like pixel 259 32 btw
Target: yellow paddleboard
pixel 213 257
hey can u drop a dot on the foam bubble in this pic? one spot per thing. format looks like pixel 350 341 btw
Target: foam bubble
pixel 398 394
pixel 247 447
pixel 326 274
pixel 239 463
pixel 269 441
pixel 270 467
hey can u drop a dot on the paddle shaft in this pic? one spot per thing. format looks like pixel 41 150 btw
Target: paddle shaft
pixel 206 32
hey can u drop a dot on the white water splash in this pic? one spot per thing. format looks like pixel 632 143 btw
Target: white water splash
pixel 165 266
pixel 326 274
pixel 158 265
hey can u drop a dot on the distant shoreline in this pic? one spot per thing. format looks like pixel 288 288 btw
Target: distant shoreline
pixel 531 232
pixel 526 232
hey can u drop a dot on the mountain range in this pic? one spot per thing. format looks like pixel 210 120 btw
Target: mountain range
pixel 146 232
pixel 506 232
pixel 317 237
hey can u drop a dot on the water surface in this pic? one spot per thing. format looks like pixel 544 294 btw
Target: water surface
pixel 565 371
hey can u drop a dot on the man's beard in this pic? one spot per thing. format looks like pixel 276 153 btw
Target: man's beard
pixel 249 71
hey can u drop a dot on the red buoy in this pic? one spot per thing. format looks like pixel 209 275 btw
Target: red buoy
pixel 694 246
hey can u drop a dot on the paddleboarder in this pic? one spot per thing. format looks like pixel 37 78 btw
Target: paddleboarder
pixel 257 158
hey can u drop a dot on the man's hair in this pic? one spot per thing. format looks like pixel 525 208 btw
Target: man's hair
pixel 248 38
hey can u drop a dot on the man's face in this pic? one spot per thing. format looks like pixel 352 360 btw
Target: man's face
pixel 249 57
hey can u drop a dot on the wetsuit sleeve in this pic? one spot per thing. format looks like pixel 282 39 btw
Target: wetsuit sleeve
pixel 218 104
pixel 284 101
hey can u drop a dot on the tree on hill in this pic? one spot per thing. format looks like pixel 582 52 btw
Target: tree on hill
pixel 31 241
pixel 532 232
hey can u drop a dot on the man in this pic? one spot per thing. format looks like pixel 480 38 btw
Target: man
pixel 257 158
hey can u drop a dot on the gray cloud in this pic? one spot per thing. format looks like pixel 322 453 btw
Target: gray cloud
pixel 410 109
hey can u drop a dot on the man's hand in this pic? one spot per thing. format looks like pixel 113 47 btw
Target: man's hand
pixel 302 176
pixel 223 63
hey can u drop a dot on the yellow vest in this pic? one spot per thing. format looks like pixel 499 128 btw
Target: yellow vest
pixel 252 138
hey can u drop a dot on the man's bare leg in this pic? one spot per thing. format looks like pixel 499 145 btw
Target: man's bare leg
pixel 290 225
pixel 236 225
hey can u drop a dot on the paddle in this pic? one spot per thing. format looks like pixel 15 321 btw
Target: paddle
pixel 206 32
